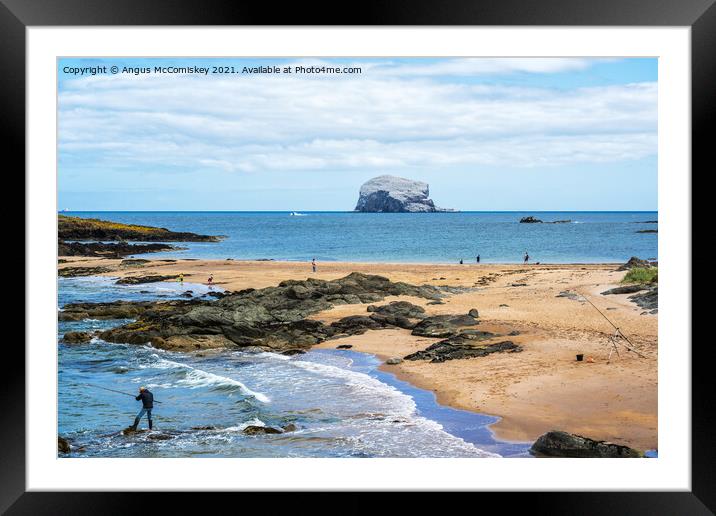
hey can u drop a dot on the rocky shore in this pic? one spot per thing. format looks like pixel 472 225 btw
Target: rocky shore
pixel 276 319
pixel 109 239
pixel 515 358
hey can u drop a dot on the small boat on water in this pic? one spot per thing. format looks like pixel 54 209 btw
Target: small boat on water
pixel 296 214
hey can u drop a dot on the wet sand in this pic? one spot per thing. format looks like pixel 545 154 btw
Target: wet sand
pixel 540 389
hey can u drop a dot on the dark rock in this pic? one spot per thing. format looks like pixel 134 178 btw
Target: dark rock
pixel 160 436
pixel 261 430
pixel 63 446
pixel 529 220
pixel 290 427
pixel 473 313
pixel 461 347
pixel 435 303
pixel 648 299
pixel 344 346
pixel 569 295
pixel 77 337
pixel 394 361
pixel 133 262
pixel 150 278
pixel 563 444
pixel 72 272
pixel 519 284
pixel 291 352
pixel 567 221
pixel 272 317
pixel 108 250
pixel 122 309
pixel 626 289
pixel 648 231
pixel 441 326
pixel 634 262
pixel 203 427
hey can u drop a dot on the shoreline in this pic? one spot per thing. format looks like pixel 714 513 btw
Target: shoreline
pixel 534 391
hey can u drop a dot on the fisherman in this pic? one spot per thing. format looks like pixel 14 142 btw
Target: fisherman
pixel 313 265
pixel 147 405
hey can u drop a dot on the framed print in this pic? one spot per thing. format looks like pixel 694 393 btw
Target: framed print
pixel 419 253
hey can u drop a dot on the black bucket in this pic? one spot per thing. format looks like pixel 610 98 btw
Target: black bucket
pixel 580 358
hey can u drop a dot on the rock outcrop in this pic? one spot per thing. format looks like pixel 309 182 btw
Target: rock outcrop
pixel 391 194
pixel 463 346
pixel 563 444
pixel 634 262
pixel 110 250
pixel 530 220
pixel 271 318
pixel 78 228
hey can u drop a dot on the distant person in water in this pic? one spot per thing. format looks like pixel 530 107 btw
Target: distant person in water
pixel 313 265
pixel 527 257
pixel 477 259
pixel 147 399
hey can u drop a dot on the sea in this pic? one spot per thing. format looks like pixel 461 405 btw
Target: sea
pixel 341 404
pixel 498 237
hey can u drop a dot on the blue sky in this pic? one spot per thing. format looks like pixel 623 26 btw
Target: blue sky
pixel 486 134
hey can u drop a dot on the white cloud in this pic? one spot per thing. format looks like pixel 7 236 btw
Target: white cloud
pixel 375 121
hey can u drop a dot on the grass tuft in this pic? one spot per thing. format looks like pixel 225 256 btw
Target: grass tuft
pixel 643 275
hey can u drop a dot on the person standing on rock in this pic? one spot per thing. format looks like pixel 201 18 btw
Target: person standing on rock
pixel 147 399
pixel 313 265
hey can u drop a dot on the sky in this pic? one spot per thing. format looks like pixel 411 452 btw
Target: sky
pixel 487 134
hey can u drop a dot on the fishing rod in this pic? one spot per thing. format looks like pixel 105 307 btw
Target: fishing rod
pixel 618 331
pixel 112 390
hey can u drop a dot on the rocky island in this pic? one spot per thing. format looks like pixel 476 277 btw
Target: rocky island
pixel 109 239
pixel 392 194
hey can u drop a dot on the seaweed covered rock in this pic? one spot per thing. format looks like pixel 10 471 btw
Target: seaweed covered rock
pixel 150 278
pixel 72 272
pixel 109 250
pixel 562 444
pixel 272 317
pixel 78 228
pixel 76 337
pixel 442 326
pixel 634 262
pixel 461 347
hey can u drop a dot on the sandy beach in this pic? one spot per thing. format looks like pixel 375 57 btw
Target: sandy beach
pixel 539 389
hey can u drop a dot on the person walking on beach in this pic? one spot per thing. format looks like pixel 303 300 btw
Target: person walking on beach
pixel 210 281
pixel 147 399
pixel 313 265
pixel 460 261
pixel 477 258
pixel 181 278
pixel 527 257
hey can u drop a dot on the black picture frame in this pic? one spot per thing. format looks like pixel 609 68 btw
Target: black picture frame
pixel 699 15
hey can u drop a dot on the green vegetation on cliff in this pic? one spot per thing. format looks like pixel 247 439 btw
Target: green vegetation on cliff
pixel 77 228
